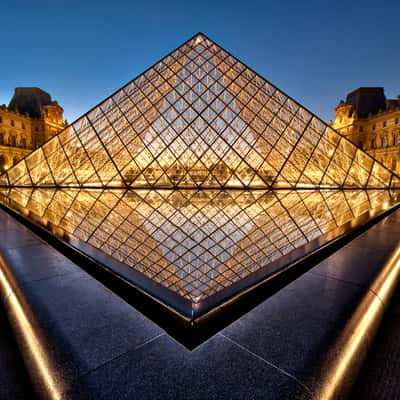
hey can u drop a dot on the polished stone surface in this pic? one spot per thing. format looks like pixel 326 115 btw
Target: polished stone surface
pixel 83 324
pixel 293 330
pixel 14 380
pixel 380 375
pixel 101 347
pixel 43 261
pixel 163 369
pixel 355 264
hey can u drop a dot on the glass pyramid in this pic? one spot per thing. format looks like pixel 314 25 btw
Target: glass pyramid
pixel 199 118
pixel 199 178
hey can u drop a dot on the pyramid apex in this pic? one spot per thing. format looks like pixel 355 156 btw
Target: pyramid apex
pixel 199 36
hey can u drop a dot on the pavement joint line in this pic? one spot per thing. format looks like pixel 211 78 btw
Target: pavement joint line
pixel 120 355
pixel 335 278
pixel 12 291
pixel 267 362
pixel 351 282
pixel 149 341
pixel 79 273
pixel 23 246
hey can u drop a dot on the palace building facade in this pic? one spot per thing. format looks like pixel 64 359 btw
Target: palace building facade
pixel 367 118
pixel 26 123
pixel 372 122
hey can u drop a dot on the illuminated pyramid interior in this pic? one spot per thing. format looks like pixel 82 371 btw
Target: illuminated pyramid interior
pixel 197 174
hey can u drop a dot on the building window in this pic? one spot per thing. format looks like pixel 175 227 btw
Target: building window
pixel 12 141
pixel 1 138
pixel 373 144
pixel 384 141
pixel 396 139
pixel 373 127
pixel 1 119
pixel 12 123
pixel 2 163
pixel 396 121
pixel 361 129
pixel 384 124
pixel 23 126
pixel 23 142
pixel 36 129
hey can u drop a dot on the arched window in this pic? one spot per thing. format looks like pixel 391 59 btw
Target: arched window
pixel 373 144
pixel 396 139
pixel 2 163
pixel 12 123
pixel 12 141
pixel 23 142
pixel 1 137
pixel 384 141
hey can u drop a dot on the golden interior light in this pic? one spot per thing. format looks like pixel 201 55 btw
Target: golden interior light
pixel 196 242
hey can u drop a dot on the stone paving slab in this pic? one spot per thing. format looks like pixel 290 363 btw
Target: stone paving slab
pixel 14 380
pixel 305 342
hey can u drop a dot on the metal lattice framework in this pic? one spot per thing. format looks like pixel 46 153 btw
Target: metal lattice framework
pixel 199 118
pixel 196 242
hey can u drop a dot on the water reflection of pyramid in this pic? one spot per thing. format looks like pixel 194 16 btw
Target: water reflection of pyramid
pixel 195 242
pixel 199 118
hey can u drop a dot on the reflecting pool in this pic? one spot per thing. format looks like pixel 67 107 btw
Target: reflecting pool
pixel 196 243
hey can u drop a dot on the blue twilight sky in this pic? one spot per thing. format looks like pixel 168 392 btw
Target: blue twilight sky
pixel 82 51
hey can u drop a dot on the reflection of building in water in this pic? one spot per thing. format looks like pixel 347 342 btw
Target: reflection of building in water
pixel 30 119
pixel 372 122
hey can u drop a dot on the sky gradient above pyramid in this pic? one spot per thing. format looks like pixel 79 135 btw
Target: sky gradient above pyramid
pixel 199 118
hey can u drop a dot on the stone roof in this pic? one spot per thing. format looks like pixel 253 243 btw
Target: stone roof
pixel 29 100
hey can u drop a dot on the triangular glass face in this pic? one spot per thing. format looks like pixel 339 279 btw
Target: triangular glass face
pixel 199 118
